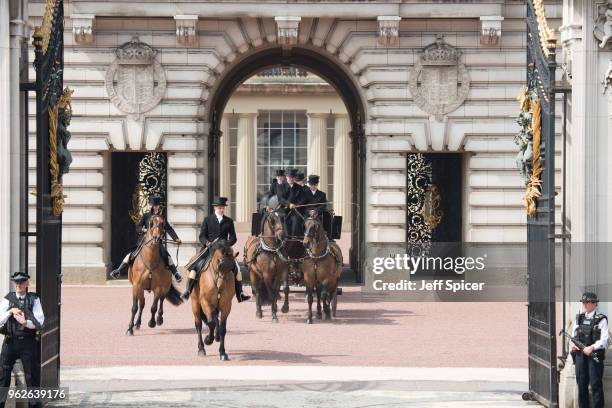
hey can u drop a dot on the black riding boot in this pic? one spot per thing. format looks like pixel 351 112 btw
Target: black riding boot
pixel 189 288
pixel 240 295
pixel 175 272
pixel 115 273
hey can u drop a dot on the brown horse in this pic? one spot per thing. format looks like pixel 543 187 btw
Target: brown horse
pixel 267 266
pixel 211 298
pixel 321 267
pixel 149 272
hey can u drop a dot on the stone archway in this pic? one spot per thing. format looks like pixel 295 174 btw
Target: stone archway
pixel 335 74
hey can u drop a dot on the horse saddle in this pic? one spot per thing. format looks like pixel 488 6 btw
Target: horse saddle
pixel 199 260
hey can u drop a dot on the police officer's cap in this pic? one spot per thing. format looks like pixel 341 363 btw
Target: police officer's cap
pixel 20 277
pixel 313 179
pixel 155 200
pixel 280 172
pixel 299 177
pixel 589 297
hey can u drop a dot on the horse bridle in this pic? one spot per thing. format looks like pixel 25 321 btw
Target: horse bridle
pixel 308 251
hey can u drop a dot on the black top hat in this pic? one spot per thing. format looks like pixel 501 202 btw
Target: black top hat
pixel 155 200
pixel 299 177
pixel 589 297
pixel 20 277
pixel 220 201
pixel 313 179
pixel 293 172
pixel 280 172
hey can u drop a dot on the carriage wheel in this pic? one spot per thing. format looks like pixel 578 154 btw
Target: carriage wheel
pixel 334 304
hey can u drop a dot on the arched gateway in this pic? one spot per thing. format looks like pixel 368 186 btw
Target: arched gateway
pixel 327 67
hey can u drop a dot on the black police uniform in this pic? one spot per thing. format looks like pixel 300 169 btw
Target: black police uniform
pixel 21 342
pixel 588 371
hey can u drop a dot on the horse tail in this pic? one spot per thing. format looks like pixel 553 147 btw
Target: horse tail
pixel 264 292
pixel 174 296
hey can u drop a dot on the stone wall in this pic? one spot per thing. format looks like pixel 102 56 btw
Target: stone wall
pixel 481 127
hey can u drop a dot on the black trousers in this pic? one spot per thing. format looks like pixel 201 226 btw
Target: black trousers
pixel 27 349
pixel 589 372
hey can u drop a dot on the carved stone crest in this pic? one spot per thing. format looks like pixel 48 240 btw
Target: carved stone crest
pixel 135 81
pixel 439 82
pixel 603 24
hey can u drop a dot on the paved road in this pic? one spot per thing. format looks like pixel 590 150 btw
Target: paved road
pixel 296 386
pixel 401 334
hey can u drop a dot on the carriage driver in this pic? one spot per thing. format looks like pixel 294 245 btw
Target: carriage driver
pixel 216 226
pixel 144 224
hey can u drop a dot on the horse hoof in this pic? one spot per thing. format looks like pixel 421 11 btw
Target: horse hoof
pixel 208 340
pixel 223 357
pixel 151 323
pixel 275 319
pixel 137 326
pixel 201 353
pixel 258 315
pixel 160 321
pixel 285 309
pixel 129 332
pixel 309 320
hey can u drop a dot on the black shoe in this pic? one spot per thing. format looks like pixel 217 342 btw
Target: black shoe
pixel 240 295
pixel 188 289
pixel 115 273
pixel 176 273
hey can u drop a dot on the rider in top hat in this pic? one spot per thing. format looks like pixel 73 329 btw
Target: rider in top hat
pixel 279 185
pixel 144 225
pixel 21 317
pixel 590 328
pixel 217 226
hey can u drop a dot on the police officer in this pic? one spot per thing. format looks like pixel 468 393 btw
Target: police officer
pixel 217 226
pixel 144 225
pixel 590 328
pixel 21 317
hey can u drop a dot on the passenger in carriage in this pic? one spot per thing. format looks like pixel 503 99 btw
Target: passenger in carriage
pixel 320 208
pixel 315 196
pixel 299 179
pixel 279 185
pixel 217 226
pixel 143 225
pixel 294 220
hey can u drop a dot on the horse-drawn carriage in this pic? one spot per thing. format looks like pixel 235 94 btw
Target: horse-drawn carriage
pixel 312 261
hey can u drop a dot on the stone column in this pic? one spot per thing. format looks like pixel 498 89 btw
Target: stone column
pixel 6 135
pixel 317 147
pixel 225 187
pixel 246 193
pixel 342 168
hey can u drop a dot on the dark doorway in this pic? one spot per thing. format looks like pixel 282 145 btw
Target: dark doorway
pixel 135 175
pixel 434 187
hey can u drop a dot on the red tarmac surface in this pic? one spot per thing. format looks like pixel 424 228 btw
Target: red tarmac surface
pixel 94 321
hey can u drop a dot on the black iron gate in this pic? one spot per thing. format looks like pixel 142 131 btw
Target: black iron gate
pixel 542 350
pixel 53 114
